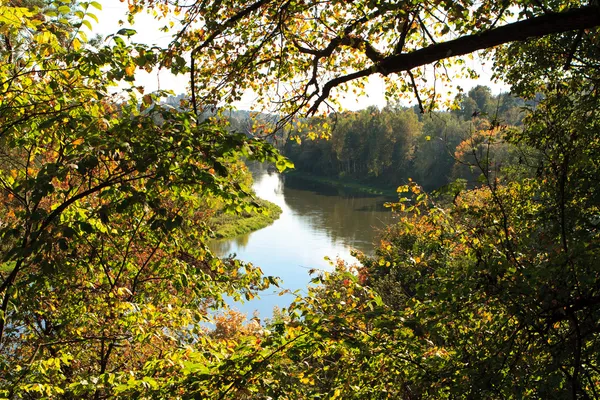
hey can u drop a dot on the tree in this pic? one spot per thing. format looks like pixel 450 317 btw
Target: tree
pixel 103 260
pixel 300 52
pixel 371 144
pixel 434 156
pixel 104 275
pixel 493 294
pixel 476 102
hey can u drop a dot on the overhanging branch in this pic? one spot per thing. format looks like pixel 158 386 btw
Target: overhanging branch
pixel 575 19
pixel 547 24
pixel 227 24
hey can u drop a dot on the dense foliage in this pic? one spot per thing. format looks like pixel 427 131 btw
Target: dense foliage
pixel 494 295
pixel 390 146
pixel 302 56
pixel 104 265
pixel 105 279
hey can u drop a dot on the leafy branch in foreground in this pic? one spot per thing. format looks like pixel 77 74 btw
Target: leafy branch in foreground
pixel 105 278
pixel 299 57
pixel 103 223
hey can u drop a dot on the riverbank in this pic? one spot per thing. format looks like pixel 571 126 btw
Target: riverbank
pixel 230 225
pixel 349 185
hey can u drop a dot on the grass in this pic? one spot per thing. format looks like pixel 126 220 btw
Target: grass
pixel 229 225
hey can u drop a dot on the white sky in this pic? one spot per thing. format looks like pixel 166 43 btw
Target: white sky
pixel 148 32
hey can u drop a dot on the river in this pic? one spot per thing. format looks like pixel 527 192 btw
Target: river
pixel 317 222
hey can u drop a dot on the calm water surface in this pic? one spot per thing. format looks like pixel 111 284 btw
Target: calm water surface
pixel 316 222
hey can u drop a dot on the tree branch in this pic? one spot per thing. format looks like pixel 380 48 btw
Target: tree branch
pixel 414 85
pixel 227 24
pixel 336 82
pixel 574 47
pixel 550 23
pixel 348 39
pixel 403 34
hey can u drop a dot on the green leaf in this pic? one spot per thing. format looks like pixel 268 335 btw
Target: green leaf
pixel 126 32
pixel 92 16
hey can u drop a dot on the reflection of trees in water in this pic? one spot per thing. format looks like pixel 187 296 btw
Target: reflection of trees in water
pixel 241 241
pixel 226 246
pixel 265 179
pixel 351 220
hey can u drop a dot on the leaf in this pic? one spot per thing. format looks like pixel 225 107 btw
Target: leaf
pixel 92 16
pixel 126 32
pixel 76 44
pixel 130 69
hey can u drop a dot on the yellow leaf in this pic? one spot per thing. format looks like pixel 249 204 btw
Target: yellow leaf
pixel 130 69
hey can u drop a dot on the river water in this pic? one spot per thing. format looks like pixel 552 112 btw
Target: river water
pixel 317 222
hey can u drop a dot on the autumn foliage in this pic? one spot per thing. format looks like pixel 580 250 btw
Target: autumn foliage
pixel 108 289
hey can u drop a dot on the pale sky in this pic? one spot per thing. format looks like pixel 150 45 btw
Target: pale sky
pixel 148 32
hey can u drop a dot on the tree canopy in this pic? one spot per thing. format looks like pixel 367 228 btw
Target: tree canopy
pixel 385 148
pixel 106 283
pixel 295 53
pixel 103 226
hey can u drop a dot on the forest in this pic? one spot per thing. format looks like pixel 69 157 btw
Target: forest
pixel 388 147
pixel 487 290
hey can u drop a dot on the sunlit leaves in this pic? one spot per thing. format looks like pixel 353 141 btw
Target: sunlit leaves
pixel 104 219
pixel 292 54
pixel 105 276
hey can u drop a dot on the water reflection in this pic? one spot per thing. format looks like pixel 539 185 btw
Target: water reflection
pixel 315 223
pixel 352 221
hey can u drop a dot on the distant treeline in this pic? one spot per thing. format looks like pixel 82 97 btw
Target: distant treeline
pixel 387 147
